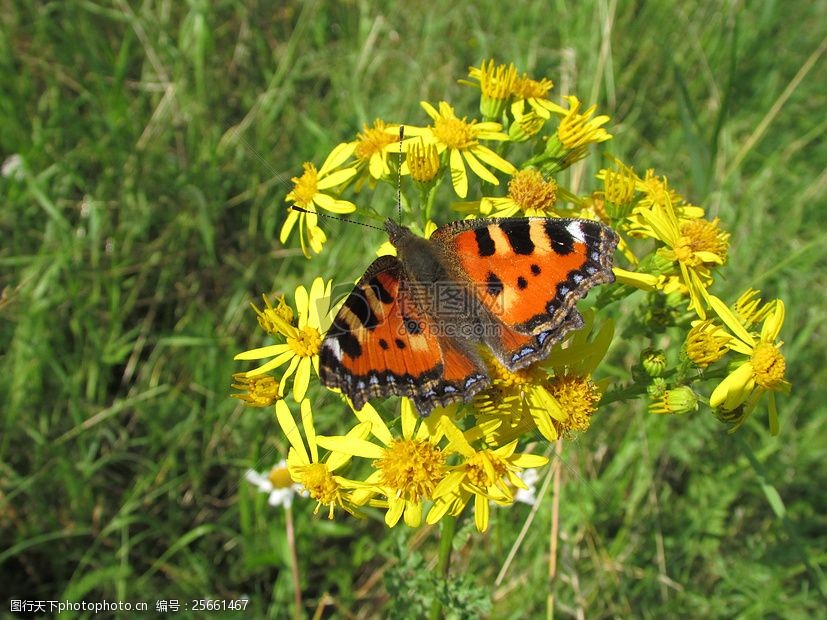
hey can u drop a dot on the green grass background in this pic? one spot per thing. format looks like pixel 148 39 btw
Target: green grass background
pixel 156 138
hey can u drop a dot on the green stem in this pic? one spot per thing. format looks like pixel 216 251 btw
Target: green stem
pixel 294 562
pixel 446 544
pixel 429 204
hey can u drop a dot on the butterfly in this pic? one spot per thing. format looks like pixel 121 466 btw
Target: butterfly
pixel 414 323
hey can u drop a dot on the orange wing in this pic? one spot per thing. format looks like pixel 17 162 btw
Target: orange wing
pixel 529 274
pixel 382 343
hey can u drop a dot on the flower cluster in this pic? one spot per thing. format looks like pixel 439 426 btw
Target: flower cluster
pixel 509 164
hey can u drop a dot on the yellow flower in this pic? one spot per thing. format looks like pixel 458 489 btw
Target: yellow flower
pixel 619 187
pixel 656 190
pixel 762 370
pixel 308 194
pixel 528 194
pixel 303 341
pixel 519 401
pixel 749 309
pixel 516 403
pixel 579 130
pixel 526 125
pixel 693 249
pixel 706 343
pixel 534 93
pixel 307 469
pixel 270 318
pixel 371 147
pixel 578 396
pixel 422 161
pixel 573 364
pixel 706 239
pixel 486 475
pixel 260 391
pixel 406 469
pixel 460 138
pixel 496 84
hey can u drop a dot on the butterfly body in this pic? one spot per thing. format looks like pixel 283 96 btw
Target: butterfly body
pixel 414 324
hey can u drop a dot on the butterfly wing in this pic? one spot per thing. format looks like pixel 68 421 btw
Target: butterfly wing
pixel 382 343
pixel 528 273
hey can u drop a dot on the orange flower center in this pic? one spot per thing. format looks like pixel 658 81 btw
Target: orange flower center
pixel 412 468
pixel 526 88
pixel 706 343
pixel 768 365
pixel 306 343
pixel 484 469
pixel 306 186
pixel 578 397
pixel 530 190
pixel 373 140
pixel 705 236
pixel 455 132
pixel 319 482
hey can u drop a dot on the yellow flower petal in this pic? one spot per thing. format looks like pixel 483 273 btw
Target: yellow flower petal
pixel 352 446
pixel 317 295
pixel 732 322
pixel 637 279
pixel 335 179
pixel 735 387
pixel 429 110
pixel 481 513
pixel 456 439
pixel 329 203
pixel 772 325
pixel 377 424
pixel 309 430
pixel 339 155
pixel 291 431
pixel 543 422
pixel 437 511
pixel 301 305
pixel 302 379
pixel 395 507
pixel 292 218
pixel 449 484
pixel 529 461
pixel 492 159
pixel 273 363
pixel 337 459
pixel 413 513
pixel 377 167
pixel 291 368
pixel 409 418
pixel 262 352
pixel 459 177
pixel 478 169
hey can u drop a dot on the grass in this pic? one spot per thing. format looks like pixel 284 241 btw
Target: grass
pixel 156 140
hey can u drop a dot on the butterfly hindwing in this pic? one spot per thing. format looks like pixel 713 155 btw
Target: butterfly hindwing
pixel 382 343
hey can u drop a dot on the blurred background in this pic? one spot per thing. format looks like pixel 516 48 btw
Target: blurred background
pixel 147 148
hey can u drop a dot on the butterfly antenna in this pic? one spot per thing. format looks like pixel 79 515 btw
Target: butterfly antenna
pixel 399 176
pixel 335 217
